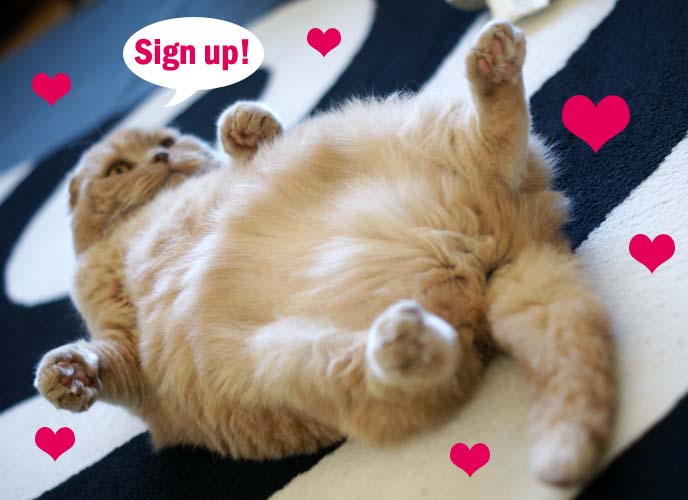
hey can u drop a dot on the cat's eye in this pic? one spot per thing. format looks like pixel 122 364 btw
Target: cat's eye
pixel 167 142
pixel 119 167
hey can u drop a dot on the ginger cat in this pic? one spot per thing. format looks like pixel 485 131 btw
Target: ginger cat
pixel 348 278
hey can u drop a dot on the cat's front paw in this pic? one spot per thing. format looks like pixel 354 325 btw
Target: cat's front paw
pixel 564 454
pixel 68 377
pixel 498 54
pixel 407 346
pixel 244 126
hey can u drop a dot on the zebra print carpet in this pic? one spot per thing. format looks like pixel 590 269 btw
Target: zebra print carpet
pixel 637 183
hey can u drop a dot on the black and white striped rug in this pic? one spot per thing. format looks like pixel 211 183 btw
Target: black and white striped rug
pixel 637 183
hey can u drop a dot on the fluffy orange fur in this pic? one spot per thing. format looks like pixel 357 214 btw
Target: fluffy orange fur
pixel 349 277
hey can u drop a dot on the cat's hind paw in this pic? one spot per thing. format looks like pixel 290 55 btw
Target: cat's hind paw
pixel 68 377
pixel 244 126
pixel 408 346
pixel 498 54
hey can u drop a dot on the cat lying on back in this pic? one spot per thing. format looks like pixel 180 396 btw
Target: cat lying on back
pixel 350 277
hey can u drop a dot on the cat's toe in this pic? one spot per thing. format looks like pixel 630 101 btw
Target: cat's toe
pixel 498 54
pixel 244 126
pixel 408 345
pixel 68 377
pixel 564 454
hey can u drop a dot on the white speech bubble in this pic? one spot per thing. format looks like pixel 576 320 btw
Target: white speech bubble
pixel 192 53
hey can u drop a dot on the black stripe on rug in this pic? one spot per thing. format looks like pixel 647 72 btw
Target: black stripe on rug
pixel 639 53
pixel 133 472
pixel 653 468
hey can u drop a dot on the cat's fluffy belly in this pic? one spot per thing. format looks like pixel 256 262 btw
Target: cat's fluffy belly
pixel 329 224
pixel 330 232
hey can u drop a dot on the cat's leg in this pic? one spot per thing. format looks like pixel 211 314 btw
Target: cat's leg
pixel 501 122
pixel 244 126
pixel 74 375
pixel 376 386
pixel 543 313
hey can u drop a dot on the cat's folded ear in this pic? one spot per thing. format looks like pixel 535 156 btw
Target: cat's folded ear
pixel 74 185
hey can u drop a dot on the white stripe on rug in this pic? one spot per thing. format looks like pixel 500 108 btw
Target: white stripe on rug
pixel 299 75
pixel 648 310
pixel 28 471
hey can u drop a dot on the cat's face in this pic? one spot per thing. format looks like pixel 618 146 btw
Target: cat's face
pixel 126 170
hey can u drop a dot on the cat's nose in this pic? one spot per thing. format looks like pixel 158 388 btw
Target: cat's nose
pixel 162 156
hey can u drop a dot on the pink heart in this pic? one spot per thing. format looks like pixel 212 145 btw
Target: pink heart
pixel 324 42
pixel 654 253
pixel 469 460
pixel 51 89
pixel 54 443
pixel 595 125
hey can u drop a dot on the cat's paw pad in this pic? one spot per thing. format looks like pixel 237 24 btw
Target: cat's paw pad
pixel 564 454
pixel 68 377
pixel 244 126
pixel 408 345
pixel 498 54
